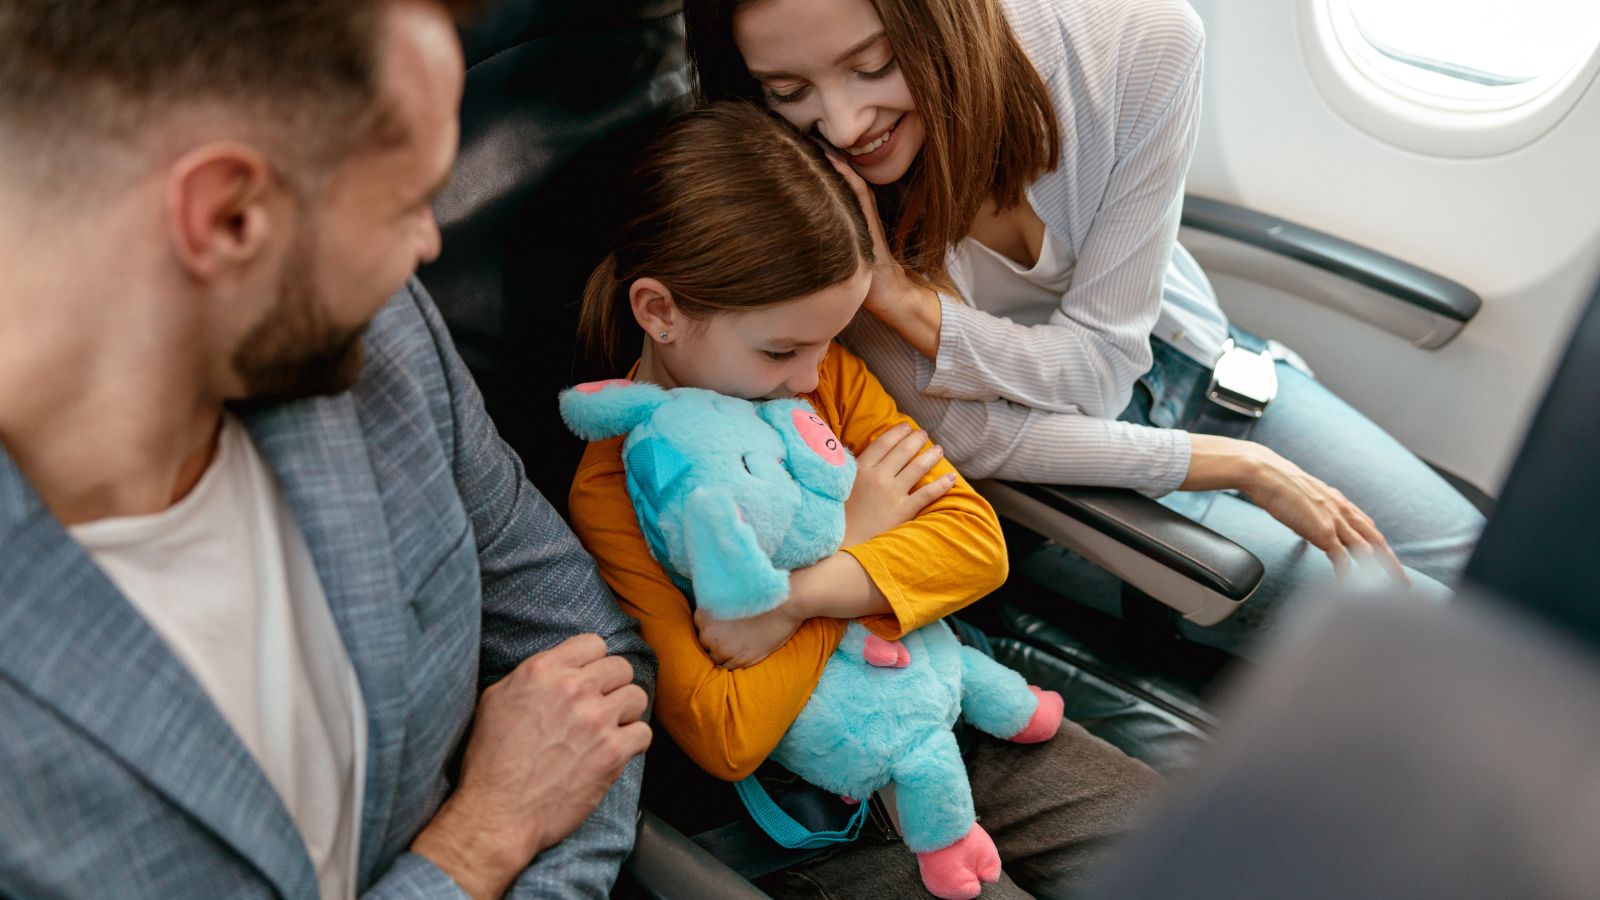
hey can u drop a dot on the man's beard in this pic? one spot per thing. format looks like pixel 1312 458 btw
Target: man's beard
pixel 295 351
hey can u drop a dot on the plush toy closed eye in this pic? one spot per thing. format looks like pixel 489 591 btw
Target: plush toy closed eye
pixel 731 495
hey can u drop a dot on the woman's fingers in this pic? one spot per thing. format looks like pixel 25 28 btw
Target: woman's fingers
pixel 1381 552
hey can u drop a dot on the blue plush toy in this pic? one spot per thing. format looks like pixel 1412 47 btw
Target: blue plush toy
pixel 732 494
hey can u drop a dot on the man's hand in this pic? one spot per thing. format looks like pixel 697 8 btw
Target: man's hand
pixel 547 743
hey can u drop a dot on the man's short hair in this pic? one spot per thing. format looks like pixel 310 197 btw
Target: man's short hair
pixel 84 82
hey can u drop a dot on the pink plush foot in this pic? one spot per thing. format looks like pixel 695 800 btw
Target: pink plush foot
pixel 1046 719
pixel 851 801
pixel 959 871
pixel 886 654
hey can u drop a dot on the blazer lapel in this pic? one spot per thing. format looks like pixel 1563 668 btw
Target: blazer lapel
pixel 69 637
pixel 321 457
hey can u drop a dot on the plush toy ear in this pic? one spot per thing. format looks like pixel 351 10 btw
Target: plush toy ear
pixel 733 577
pixel 603 409
pixel 817 458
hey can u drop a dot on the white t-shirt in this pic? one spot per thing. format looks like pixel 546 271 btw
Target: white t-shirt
pixel 225 577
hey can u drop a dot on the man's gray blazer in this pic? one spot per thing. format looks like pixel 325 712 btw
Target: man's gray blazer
pixel 443 567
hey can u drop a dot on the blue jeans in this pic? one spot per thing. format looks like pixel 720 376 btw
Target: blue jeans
pixel 1427 523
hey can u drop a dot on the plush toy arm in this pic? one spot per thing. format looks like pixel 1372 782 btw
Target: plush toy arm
pixel 995 699
pixel 733 577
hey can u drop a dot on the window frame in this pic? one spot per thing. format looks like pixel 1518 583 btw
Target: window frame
pixel 1360 83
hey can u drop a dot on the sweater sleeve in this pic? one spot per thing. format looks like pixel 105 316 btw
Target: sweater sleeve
pixel 1095 344
pixel 1003 439
pixel 951 554
pixel 728 722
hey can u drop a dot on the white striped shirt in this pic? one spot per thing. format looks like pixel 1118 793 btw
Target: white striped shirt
pixel 1032 394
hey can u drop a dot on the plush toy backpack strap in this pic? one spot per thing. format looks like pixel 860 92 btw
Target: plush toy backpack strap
pixel 784 828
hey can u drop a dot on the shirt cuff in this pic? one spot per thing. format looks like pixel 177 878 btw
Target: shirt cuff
pixel 1174 462
pixel 953 372
pixel 903 619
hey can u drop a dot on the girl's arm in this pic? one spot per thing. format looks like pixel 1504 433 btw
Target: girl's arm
pixel 948 555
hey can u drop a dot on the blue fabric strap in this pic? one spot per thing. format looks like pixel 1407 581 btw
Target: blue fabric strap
pixel 781 827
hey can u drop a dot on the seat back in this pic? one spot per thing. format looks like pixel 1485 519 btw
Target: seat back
pixel 558 96
pixel 1402 749
pixel 1541 549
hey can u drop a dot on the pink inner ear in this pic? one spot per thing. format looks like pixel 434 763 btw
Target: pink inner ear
pixel 819 437
pixel 594 387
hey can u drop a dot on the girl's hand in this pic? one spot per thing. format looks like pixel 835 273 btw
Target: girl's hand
pixel 740 643
pixel 905 305
pixel 886 495
pixel 1304 503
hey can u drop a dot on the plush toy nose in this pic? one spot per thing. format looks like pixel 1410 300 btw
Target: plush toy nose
pixel 819 437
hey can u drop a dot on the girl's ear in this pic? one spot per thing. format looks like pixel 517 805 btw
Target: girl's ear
pixel 655 310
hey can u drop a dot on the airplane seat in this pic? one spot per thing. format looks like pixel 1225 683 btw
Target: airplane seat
pixel 558 94
pixel 1391 748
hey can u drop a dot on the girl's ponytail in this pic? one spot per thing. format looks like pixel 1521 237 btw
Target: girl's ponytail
pixel 601 319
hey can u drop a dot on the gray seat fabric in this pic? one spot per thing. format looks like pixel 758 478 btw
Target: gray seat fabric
pixel 1393 751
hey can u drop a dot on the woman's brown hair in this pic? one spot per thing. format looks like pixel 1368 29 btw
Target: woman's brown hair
pixel 731 209
pixel 991 128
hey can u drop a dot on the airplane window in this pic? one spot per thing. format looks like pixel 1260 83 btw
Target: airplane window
pixel 1477 53
pixel 1451 78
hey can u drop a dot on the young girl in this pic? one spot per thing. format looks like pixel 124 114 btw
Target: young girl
pixel 742 253
pixel 1030 156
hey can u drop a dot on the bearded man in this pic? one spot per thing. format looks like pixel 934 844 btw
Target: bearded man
pixel 280 614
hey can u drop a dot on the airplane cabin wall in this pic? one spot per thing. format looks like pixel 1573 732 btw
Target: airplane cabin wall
pixel 1521 228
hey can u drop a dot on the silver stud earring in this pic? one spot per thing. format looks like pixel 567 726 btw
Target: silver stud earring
pixel 663 335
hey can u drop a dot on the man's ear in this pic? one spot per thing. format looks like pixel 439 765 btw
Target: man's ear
pixel 217 214
pixel 655 310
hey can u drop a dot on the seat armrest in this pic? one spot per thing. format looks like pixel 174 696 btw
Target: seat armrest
pixel 1425 308
pixel 667 865
pixel 1174 559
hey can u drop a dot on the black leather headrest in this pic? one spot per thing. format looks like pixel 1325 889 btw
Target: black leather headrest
pixel 1541 548
pixel 558 96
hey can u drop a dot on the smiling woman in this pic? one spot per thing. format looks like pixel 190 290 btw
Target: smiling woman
pixel 1026 160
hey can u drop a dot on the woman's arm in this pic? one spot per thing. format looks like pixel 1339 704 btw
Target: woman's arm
pixel 1096 342
pixel 1002 439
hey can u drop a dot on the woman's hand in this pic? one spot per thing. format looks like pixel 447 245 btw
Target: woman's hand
pixel 740 643
pixel 1304 503
pixel 909 307
pixel 886 495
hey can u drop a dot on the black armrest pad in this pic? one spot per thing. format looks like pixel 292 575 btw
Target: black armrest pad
pixel 667 864
pixel 1379 271
pixel 1169 538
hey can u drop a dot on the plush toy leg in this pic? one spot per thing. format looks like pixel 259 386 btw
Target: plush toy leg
pixel 959 871
pixel 1046 719
pixel 955 855
pixel 885 654
pixel 998 701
